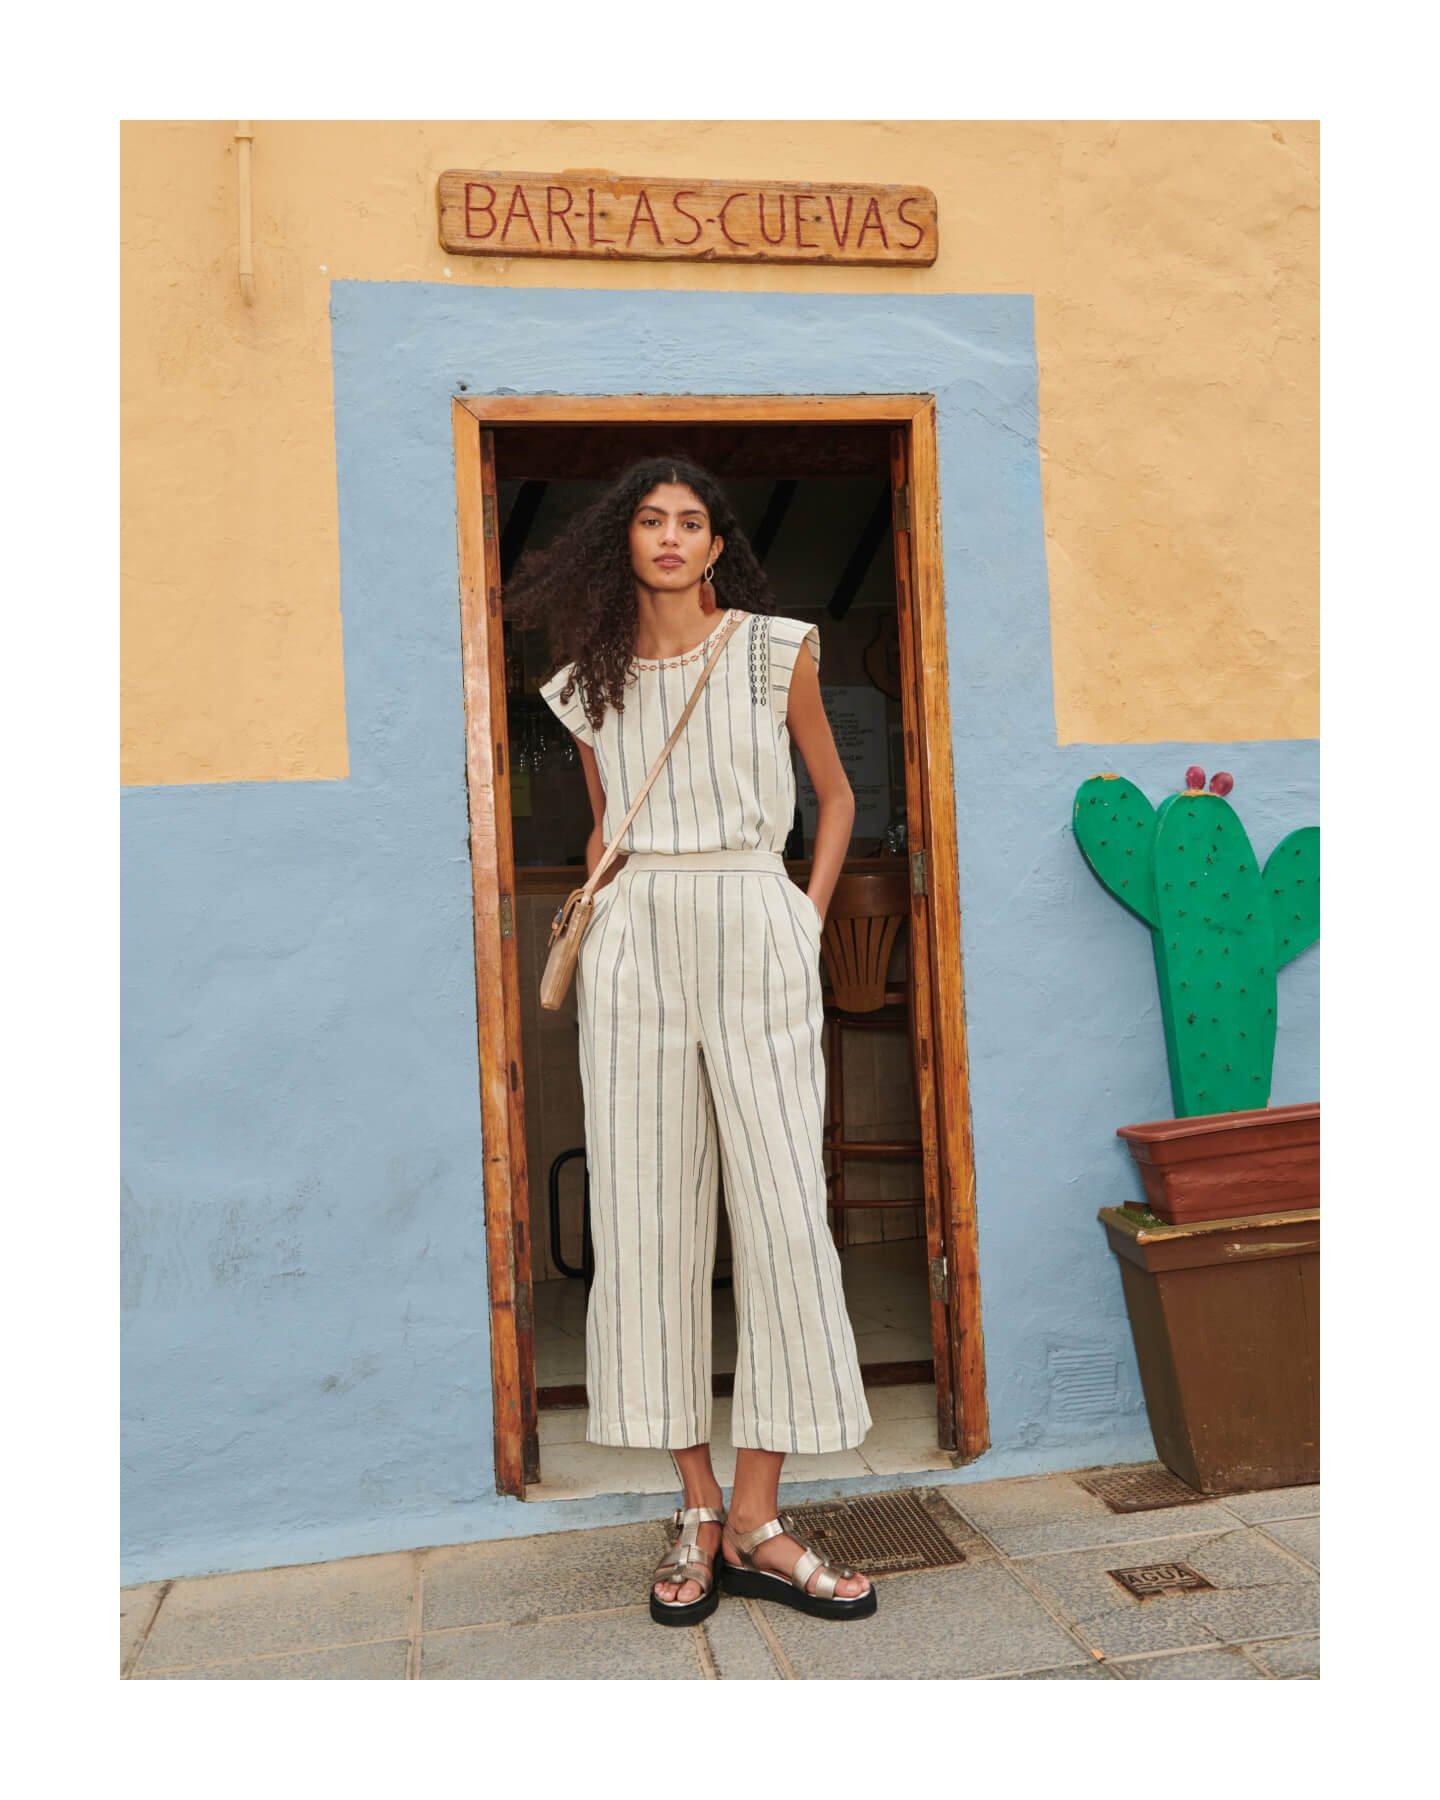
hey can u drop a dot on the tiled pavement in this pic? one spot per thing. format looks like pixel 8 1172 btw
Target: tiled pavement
pixel 1032 1601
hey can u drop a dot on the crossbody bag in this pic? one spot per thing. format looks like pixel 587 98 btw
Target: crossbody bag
pixel 573 918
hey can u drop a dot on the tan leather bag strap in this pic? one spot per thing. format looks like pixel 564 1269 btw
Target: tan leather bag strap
pixel 722 637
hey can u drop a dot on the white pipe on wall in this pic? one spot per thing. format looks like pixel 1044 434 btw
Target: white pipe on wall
pixel 244 137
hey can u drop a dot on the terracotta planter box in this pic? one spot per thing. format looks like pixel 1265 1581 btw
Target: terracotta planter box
pixel 1229 1165
pixel 1226 1321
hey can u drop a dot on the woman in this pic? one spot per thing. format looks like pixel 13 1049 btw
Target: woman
pixel 699 1005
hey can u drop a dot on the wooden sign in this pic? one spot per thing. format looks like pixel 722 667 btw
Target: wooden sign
pixel 589 212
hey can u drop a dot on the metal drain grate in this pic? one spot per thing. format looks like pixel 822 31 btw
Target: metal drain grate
pixel 1147 1489
pixel 1159 1578
pixel 881 1534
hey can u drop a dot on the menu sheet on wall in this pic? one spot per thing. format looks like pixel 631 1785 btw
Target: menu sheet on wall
pixel 858 720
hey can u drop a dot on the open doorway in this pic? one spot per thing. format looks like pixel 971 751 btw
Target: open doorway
pixel 837 496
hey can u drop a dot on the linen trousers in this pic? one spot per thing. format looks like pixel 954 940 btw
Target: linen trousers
pixel 699 1005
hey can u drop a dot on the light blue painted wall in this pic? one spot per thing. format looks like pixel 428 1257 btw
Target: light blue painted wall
pixel 306 1360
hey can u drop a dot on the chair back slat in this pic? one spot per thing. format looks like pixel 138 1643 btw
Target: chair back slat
pixel 866 913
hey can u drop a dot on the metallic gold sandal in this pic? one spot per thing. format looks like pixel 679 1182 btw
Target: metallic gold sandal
pixel 686 1561
pixel 746 1579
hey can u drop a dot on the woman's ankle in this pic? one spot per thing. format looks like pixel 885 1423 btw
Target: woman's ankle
pixel 740 1519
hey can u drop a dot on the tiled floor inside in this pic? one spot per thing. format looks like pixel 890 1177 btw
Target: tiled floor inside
pixel 885 1293
pixel 903 1437
pixel 1033 1599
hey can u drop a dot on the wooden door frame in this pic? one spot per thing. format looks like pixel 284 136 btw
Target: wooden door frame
pixel 917 537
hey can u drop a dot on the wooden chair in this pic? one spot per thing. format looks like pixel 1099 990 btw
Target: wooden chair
pixel 865 916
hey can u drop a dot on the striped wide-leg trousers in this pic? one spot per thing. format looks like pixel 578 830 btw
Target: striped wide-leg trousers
pixel 698 995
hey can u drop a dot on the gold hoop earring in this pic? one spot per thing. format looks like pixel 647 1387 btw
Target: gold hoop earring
pixel 707 589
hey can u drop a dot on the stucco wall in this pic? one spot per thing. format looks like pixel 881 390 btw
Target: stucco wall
pixel 1173 269
pixel 306 1355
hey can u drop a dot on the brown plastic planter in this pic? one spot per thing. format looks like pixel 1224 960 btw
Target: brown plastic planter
pixel 1226 1321
pixel 1229 1165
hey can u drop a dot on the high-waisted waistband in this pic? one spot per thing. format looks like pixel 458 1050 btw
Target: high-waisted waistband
pixel 771 861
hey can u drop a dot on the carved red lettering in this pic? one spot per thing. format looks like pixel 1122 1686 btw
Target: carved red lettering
pixel 642 199
pixel 518 204
pixel 763 232
pixel 553 212
pixel 840 236
pixel 879 225
pixel 730 200
pixel 800 221
pixel 474 211
pixel 590 197
pixel 675 202
pixel 914 224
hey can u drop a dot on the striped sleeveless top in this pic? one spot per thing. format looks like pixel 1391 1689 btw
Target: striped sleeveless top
pixel 729 783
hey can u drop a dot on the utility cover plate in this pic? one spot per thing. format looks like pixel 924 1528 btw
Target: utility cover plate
pixel 879 1534
pixel 1159 1578
pixel 1148 1488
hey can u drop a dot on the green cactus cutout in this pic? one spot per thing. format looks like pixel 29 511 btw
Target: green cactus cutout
pixel 1221 926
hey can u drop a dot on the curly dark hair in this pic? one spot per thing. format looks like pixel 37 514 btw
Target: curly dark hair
pixel 581 588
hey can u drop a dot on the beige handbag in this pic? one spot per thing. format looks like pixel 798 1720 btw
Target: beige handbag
pixel 569 924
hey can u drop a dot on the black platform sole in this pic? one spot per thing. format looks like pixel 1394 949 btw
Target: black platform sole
pixel 753 1584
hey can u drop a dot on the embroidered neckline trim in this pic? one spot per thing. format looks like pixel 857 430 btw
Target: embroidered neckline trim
pixel 674 662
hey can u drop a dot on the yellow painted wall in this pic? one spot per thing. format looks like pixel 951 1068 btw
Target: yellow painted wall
pixel 1175 271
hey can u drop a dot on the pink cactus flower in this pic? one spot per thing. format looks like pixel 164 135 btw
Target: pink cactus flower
pixel 1221 783
pixel 1194 778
